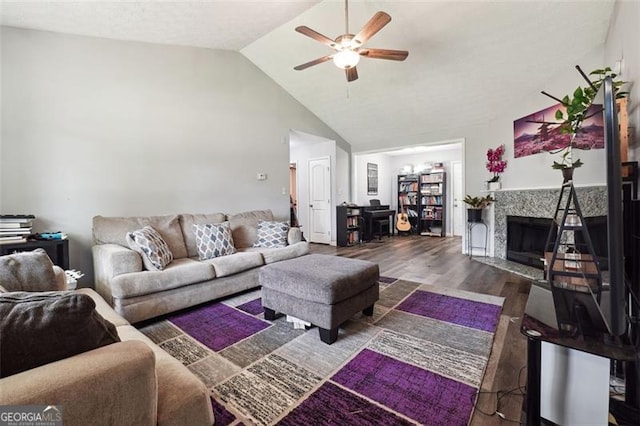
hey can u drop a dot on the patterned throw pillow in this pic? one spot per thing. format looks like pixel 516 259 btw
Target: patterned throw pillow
pixel 155 252
pixel 213 240
pixel 272 234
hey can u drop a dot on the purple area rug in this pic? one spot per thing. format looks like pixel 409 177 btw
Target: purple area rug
pixel 253 307
pixel 419 394
pixel 331 404
pixel 469 313
pixel 217 325
pixel 272 374
pixel 221 416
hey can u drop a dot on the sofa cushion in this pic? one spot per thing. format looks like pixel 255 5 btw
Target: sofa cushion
pixel 113 230
pixel 155 252
pixel 179 273
pixel 186 223
pixel 213 240
pixel 272 255
pixel 29 271
pixel 271 234
pixel 244 226
pixel 229 265
pixel 58 325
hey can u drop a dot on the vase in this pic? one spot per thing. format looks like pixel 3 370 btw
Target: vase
pixel 474 215
pixel 567 174
pixel 494 186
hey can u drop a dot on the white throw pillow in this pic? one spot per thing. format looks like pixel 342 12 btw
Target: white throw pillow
pixel 213 240
pixel 155 252
pixel 272 234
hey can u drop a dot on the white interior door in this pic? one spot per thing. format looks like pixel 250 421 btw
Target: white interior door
pixel 458 217
pixel 320 200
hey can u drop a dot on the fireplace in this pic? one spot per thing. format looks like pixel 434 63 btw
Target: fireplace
pixel 527 237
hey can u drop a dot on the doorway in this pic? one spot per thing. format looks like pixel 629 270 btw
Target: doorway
pixel 293 194
pixel 320 200
pixel 456 189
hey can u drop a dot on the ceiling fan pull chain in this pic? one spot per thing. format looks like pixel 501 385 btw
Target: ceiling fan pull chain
pixel 346 16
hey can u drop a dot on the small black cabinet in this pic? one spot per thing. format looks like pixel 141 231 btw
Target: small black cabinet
pixel 58 250
pixel 349 221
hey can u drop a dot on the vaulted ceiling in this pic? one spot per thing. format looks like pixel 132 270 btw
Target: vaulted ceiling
pixel 467 58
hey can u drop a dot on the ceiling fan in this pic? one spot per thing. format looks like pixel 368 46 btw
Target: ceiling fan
pixel 349 48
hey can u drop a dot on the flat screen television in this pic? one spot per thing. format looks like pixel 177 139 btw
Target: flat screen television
pixel 580 312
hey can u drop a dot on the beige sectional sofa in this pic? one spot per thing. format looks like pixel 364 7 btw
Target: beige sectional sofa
pixel 139 294
pixel 130 382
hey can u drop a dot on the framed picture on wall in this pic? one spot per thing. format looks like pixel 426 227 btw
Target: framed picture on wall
pixel 372 179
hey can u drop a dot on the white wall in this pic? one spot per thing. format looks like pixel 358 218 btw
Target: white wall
pixel 623 42
pixel 535 170
pixel 359 179
pixel 101 127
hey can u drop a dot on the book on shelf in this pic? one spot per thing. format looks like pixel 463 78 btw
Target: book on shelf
pixel 20 231
pixel 16 218
pixel 12 240
pixel 14 225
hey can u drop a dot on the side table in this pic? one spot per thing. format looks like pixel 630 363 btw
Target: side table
pixel 58 250
pixel 470 246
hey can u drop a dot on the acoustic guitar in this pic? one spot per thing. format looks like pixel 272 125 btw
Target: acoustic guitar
pixel 402 221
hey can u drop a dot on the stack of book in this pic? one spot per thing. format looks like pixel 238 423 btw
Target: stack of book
pixel 15 228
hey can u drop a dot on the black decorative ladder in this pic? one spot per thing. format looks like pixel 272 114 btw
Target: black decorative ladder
pixel 572 268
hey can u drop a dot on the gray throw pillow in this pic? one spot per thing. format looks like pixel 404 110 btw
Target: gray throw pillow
pixel 272 234
pixel 28 271
pixel 213 240
pixel 155 252
pixel 43 327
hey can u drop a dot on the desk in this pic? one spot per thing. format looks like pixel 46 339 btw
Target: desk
pixel 537 333
pixel 369 215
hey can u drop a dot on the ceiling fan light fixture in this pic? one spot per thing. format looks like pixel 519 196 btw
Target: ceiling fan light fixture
pixel 346 59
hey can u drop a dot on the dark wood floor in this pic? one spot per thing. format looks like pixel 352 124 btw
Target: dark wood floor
pixel 439 261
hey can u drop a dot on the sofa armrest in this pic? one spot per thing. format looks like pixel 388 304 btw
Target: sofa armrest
pixel 61 278
pixel 115 384
pixel 294 236
pixel 109 261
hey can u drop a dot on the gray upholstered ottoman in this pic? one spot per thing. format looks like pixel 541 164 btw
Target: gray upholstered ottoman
pixel 323 290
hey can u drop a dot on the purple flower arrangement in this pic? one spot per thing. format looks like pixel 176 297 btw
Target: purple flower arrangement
pixel 495 163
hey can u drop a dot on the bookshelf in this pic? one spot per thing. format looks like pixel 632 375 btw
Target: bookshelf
pixel 432 202
pixel 408 198
pixel 348 220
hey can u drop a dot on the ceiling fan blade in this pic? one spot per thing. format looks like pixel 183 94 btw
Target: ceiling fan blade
pixel 394 55
pixel 316 36
pixel 352 73
pixel 375 24
pixel 312 63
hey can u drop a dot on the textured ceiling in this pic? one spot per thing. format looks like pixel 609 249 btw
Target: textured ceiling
pixel 467 58
pixel 215 24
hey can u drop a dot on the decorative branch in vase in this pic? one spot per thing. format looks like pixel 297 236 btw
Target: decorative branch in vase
pixel 577 109
pixel 495 165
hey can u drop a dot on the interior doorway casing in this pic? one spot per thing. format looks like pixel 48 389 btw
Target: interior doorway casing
pixel 320 200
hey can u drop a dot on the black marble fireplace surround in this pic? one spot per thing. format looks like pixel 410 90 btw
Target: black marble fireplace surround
pixel 526 239
pixel 527 236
